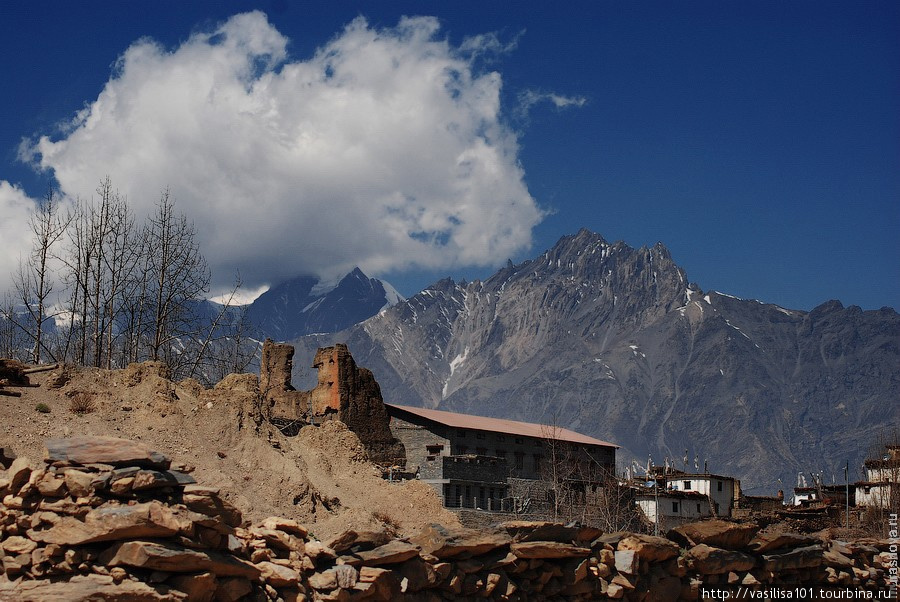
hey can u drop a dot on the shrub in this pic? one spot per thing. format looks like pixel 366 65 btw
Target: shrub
pixel 43 408
pixel 82 403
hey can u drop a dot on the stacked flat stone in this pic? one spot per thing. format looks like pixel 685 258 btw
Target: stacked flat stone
pixel 110 519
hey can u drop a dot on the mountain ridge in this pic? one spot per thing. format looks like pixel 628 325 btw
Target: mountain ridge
pixel 615 342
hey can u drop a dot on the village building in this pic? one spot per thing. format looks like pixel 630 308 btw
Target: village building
pixel 672 497
pixel 496 464
pixel 881 489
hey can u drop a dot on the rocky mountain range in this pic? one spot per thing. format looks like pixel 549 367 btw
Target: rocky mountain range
pixel 616 343
pixel 304 305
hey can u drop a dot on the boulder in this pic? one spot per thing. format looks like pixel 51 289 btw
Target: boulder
pixel 650 548
pixel 548 549
pixel 716 533
pixel 393 552
pixel 446 542
pixel 158 556
pixel 114 522
pixel 104 450
pixel 768 542
pixel 798 558
pixel 708 560
pixel 87 588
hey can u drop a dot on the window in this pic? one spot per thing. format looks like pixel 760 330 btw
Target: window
pixel 520 460
pixel 687 485
pixel 719 485
pixel 434 451
pixel 537 462
pixel 674 506
pixel 698 508
pixel 479 435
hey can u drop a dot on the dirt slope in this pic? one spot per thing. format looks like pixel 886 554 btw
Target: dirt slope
pixel 320 477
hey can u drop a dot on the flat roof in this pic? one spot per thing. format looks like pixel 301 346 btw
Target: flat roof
pixel 499 425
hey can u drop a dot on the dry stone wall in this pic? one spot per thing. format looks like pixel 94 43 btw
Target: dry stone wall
pixel 111 519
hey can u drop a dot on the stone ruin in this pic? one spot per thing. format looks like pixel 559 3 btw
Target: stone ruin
pixel 344 392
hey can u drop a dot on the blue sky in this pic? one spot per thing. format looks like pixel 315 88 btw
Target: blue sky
pixel 759 141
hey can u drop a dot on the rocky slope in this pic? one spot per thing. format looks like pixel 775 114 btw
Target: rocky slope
pixel 320 477
pixel 614 342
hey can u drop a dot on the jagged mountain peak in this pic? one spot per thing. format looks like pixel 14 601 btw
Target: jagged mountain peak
pixel 618 344
pixel 305 304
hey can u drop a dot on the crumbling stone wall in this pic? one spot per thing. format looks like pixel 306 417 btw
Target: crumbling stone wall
pixel 344 392
pixel 351 394
pixel 285 404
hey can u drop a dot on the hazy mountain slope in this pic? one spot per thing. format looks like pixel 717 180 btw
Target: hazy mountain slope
pixel 300 306
pixel 613 342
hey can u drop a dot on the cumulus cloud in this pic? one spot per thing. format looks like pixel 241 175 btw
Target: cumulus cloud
pixel 386 149
pixel 15 243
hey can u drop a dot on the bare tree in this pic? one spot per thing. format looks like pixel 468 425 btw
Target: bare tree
pixel 32 280
pixel 177 276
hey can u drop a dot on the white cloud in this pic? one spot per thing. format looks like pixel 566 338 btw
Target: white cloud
pixel 386 149
pixel 15 242
pixel 529 98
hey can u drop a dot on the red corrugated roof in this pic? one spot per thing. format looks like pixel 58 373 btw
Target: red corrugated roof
pixel 511 427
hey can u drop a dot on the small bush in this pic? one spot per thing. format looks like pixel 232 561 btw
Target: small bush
pixel 43 408
pixel 82 403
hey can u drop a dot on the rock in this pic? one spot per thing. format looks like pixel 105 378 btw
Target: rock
pixel 548 549
pixel 232 589
pixel 154 479
pixel 87 588
pixel 357 540
pixel 650 548
pixel 708 560
pixel 447 543
pixel 18 474
pixel 17 544
pixel 667 589
pixel 104 450
pixel 202 500
pixel 417 575
pixel 113 522
pixel 548 531
pixel 798 558
pixel 277 575
pixel 160 556
pixel 7 455
pixel 78 483
pixel 324 581
pixel 615 591
pixel 287 525
pixel 627 561
pixel 766 542
pixel 716 533
pixel 393 552
pixel 199 588
pixel 52 486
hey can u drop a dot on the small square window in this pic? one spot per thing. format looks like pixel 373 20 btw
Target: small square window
pixel 674 506
pixel 687 485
